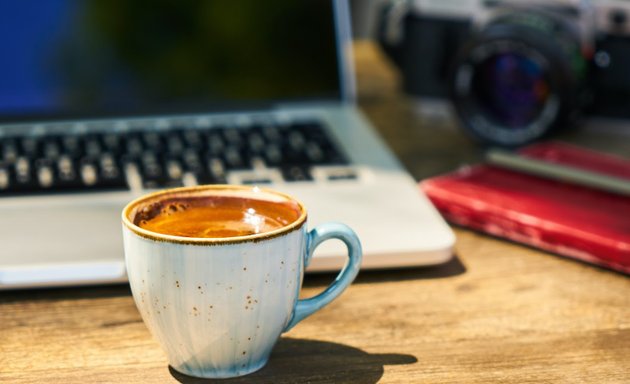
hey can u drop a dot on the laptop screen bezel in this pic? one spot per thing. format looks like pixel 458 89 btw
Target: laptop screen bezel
pixel 344 51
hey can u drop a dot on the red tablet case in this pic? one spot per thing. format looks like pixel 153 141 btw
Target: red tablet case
pixel 578 222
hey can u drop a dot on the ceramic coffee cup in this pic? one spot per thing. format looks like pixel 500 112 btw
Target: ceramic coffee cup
pixel 217 306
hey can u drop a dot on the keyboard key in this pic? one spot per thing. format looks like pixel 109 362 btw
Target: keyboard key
pixel 149 157
pixel 234 159
pixel 134 146
pixel 10 151
pixel 45 175
pixel 152 140
pixel 92 147
pixel 71 145
pixel 296 141
pixel 271 133
pixel 5 178
pixel 89 174
pixel 232 136
pixel 193 138
pixel 256 181
pixel 30 146
pixel 338 175
pixel 23 170
pixel 256 143
pixel 273 155
pixel 112 142
pixel 174 170
pixel 216 168
pixel 314 153
pixel 192 161
pixel 110 170
pixel 66 170
pixel 51 149
pixel 174 144
pixel 215 144
pixel 296 173
pixel 151 171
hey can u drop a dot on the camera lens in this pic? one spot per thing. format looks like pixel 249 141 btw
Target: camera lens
pixel 517 79
pixel 511 88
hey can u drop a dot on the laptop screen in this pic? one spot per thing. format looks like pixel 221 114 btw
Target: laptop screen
pixel 90 58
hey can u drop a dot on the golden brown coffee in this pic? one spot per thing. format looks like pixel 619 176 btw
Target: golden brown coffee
pixel 215 216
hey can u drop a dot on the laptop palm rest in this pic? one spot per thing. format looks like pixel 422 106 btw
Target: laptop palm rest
pixel 49 244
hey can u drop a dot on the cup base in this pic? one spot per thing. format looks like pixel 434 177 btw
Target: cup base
pixel 220 374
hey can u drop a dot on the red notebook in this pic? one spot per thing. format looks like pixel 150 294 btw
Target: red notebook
pixel 584 223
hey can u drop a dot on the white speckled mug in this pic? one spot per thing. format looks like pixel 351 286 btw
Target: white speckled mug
pixel 217 306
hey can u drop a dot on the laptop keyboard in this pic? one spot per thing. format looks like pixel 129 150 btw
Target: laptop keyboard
pixel 160 159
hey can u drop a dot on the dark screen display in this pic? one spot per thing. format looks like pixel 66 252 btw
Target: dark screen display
pixel 64 58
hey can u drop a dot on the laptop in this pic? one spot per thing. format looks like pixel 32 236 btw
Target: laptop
pixel 101 102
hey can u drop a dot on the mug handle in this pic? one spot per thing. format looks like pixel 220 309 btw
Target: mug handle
pixel 316 236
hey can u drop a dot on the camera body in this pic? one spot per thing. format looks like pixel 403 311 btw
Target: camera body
pixel 513 70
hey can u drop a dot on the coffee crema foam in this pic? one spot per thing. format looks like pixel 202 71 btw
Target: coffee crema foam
pixel 215 216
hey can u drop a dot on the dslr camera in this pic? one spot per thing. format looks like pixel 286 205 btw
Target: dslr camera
pixel 514 70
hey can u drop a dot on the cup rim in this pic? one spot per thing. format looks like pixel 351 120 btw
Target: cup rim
pixel 296 224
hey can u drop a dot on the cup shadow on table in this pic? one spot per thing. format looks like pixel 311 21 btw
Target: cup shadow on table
pixel 453 267
pixel 301 360
pixel 67 293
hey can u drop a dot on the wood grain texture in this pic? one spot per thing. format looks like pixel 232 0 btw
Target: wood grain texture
pixel 499 312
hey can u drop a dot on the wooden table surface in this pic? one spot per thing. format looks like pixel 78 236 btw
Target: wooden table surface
pixel 499 312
